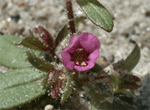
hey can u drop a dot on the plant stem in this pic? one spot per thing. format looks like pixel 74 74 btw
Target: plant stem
pixel 70 16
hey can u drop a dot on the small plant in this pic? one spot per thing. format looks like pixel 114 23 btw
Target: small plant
pixel 33 75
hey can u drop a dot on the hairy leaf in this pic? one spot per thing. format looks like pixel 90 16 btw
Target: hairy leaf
pixel 79 19
pixel 115 80
pixel 129 81
pixel 56 88
pixel 12 56
pixel 45 35
pixel 61 35
pixel 20 86
pixel 39 63
pixel 33 43
pixel 132 59
pixel 18 95
pixel 19 76
pixel 68 90
pixel 97 13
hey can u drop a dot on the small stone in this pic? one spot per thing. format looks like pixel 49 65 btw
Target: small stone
pixel 3 4
pixel 102 61
pixel 21 3
pixel 15 17
pixel 147 14
pixel 49 107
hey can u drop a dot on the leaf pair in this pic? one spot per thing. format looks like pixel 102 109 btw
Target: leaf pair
pixel 47 44
pixel 21 85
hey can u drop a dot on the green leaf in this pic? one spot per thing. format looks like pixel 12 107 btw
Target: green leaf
pixel 18 95
pixel 132 59
pixel 68 90
pixel 115 80
pixel 97 13
pixel 65 30
pixel 33 43
pixel 79 19
pixel 19 76
pixel 12 56
pixel 97 68
pixel 39 63
pixel 20 86
pixel 61 35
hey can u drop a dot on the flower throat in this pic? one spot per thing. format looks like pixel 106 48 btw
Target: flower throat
pixel 80 57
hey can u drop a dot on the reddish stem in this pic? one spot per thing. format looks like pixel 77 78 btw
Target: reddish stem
pixel 70 17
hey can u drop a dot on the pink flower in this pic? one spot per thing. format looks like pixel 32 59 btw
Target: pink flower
pixel 82 52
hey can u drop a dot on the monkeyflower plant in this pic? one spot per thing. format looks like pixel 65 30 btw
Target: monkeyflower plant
pixel 37 73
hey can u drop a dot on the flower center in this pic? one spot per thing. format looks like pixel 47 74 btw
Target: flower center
pixel 80 57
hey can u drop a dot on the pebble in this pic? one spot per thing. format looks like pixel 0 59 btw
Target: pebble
pixel 49 107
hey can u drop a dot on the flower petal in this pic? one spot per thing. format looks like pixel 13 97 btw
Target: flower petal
pixel 89 42
pixel 66 59
pixel 94 56
pixel 74 44
pixel 81 68
pixel 75 38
